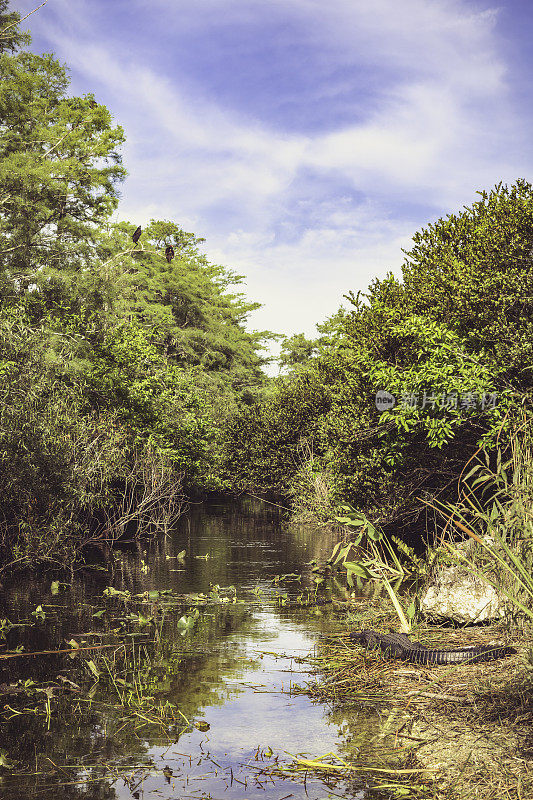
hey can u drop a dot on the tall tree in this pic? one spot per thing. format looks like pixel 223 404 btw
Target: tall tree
pixel 11 36
pixel 59 169
pixel 187 304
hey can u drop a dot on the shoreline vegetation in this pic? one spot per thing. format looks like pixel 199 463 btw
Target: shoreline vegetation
pixel 130 385
pixel 459 732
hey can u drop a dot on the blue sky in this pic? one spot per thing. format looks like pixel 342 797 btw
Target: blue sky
pixel 305 140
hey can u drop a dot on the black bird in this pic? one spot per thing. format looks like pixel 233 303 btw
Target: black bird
pixel 169 253
pixel 137 235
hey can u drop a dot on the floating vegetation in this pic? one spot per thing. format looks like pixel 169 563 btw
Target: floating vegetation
pixel 119 676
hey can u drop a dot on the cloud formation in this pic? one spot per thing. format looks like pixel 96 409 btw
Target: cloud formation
pixel 305 146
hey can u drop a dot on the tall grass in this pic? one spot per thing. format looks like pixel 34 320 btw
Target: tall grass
pixel 495 509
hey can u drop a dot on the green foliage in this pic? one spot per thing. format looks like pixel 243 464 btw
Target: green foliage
pixel 495 509
pixel 118 366
pixel 87 417
pixel 375 559
pixel 378 554
pixel 59 167
pixel 56 465
pixel 296 349
pixel 264 443
pixel 186 306
pixel 452 343
pixel 157 403
pixel 11 37
pixel 474 272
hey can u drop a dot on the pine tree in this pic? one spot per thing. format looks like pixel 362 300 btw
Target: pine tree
pixel 59 169
pixel 11 37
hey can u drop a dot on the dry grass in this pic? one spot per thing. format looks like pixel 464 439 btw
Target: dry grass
pixel 471 724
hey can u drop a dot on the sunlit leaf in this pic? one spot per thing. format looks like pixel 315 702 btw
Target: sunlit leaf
pixel 357 569
pixel 411 610
pixel 4 760
pixel 93 668
pixel 112 592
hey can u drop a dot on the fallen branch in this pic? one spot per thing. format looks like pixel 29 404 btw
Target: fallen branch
pixel 72 650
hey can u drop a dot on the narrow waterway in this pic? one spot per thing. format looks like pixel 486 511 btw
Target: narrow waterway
pixel 231 667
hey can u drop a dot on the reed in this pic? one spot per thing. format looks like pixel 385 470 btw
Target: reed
pixel 495 510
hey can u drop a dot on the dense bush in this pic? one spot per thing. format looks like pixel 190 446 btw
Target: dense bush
pixel 83 412
pixel 456 332
pixel 117 365
pixel 56 464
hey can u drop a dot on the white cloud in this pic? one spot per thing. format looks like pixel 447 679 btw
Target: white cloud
pixel 441 126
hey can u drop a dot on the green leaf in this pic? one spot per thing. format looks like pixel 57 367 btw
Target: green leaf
pixel 112 592
pixel 93 668
pixel 374 533
pixel 411 610
pixel 358 569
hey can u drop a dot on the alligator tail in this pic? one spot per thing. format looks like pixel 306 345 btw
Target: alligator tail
pixel 399 645
pixel 472 655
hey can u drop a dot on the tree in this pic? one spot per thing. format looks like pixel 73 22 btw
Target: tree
pixel 59 169
pixel 11 37
pixel 458 329
pixel 473 271
pixel 185 304
pixel 296 349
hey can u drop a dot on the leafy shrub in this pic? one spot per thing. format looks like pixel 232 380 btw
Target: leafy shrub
pixel 456 331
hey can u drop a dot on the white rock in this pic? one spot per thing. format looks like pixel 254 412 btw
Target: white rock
pixel 461 596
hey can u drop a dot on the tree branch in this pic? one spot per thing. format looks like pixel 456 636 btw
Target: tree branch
pixel 21 19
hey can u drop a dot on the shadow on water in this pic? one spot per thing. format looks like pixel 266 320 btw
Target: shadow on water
pixel 228 670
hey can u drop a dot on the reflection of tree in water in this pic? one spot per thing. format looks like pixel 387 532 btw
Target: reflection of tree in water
pixel 190 671
pixel 245 543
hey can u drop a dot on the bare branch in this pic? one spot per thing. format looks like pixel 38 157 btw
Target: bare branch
pixel 56 144
pixel 22 19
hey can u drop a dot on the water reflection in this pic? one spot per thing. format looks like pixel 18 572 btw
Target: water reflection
pixel 231 676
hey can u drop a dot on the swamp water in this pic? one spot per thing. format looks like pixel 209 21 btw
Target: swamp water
pixel 229 662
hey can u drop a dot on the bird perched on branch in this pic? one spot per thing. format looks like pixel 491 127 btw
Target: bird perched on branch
pixel 169 253
pixel 137 235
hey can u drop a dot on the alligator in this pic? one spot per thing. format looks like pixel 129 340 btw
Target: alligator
pixel 399 645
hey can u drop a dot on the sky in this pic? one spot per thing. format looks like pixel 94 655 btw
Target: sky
pixel 306 141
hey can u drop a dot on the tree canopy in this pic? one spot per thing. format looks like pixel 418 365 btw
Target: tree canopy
pixel 451 342
pixel 120 357
pixel 59 172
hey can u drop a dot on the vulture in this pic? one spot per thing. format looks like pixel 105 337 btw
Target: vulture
pixel 137 235
pixel 169 253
